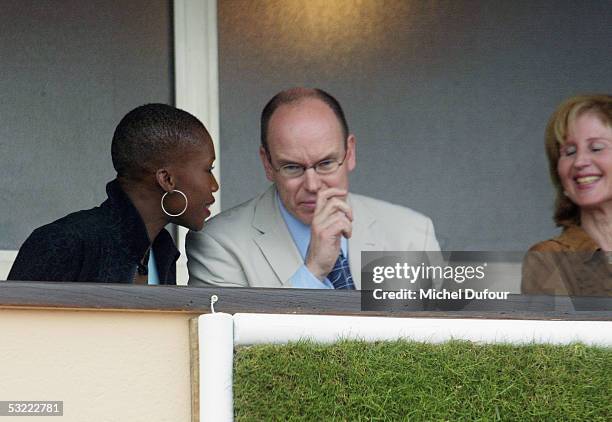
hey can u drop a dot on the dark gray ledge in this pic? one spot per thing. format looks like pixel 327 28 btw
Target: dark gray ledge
pixel 284 301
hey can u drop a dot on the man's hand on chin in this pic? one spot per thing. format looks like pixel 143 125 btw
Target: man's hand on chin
pixel 332 219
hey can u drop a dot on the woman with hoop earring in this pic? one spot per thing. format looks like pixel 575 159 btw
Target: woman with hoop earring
pixel 164 159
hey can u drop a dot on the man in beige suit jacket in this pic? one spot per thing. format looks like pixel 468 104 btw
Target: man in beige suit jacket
pixel 297 232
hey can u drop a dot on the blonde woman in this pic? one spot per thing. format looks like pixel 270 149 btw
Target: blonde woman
pixel 578 262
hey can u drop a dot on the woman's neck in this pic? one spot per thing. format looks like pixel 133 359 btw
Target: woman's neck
pixel 598 224
pixel 146 201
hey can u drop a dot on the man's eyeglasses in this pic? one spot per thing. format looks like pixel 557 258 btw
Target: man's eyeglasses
pixel 323 168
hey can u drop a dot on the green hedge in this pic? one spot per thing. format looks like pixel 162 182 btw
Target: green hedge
pixel 422 382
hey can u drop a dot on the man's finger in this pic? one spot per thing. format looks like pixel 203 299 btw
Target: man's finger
pixel 336 225
pixel 333 206
pixel 325 195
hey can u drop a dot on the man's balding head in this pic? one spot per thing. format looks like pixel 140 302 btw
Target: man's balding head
pixel 294 96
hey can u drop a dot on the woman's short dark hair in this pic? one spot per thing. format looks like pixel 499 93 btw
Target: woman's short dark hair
pixel 152 135
pixel 566 212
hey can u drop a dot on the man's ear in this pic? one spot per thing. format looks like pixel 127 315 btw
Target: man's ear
pixel 263 155
pixel 165 179
pixel 351 152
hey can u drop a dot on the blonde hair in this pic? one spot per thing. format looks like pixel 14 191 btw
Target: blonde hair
pixel 566 212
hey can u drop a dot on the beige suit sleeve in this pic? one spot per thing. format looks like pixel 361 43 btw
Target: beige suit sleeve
pixel 211 264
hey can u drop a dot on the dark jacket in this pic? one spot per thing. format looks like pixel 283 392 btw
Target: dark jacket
pixel 103 244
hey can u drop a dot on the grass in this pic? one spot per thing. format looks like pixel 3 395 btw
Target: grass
pixel 352 381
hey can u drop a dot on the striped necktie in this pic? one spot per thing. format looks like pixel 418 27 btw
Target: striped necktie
pixel 340 275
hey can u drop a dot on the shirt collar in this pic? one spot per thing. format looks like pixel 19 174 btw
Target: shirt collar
pixel 574 238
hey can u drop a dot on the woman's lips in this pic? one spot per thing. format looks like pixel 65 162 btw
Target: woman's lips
pixel 586 181
pixel 207 210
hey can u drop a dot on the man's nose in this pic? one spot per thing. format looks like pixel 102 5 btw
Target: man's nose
pixel 312 181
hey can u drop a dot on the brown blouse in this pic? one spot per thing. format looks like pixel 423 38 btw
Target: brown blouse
pixel 569 264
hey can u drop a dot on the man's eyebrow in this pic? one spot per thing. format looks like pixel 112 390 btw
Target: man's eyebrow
pixel 330 156
pixel 285 161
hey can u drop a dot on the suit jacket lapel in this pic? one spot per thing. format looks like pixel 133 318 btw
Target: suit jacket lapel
pixel 275 241
pixel 366 237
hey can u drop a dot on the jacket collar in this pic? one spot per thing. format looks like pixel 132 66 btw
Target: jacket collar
pixel 134 235
pixel 366 237
pixel 275 241
pixel 265 218
pixel 574 238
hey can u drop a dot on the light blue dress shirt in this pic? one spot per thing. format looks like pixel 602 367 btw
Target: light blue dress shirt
pixel 153 276
pixel 300 233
